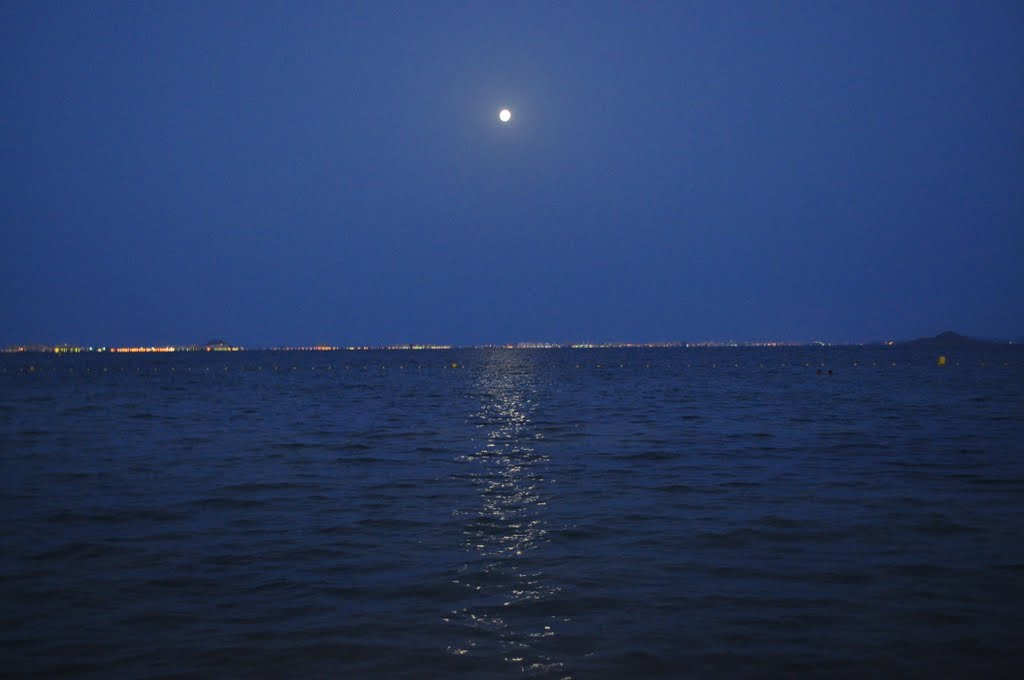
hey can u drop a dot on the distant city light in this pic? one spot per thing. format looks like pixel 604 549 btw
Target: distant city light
pixel 224 347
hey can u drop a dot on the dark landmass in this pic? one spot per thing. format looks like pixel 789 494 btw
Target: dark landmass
pixel 950 340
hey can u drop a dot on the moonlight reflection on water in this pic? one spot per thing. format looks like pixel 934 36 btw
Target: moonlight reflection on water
pixel 507 526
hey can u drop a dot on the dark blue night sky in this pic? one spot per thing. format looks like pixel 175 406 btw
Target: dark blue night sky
pixel 291 173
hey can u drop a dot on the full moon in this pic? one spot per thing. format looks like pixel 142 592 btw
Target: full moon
pixel 504 115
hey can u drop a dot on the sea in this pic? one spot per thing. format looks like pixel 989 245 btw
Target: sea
pixel 513 513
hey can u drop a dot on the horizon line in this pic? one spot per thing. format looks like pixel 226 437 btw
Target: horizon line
pixel 221 345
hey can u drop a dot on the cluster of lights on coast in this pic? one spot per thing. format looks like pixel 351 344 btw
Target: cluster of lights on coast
pixel 76 349
pixel 224 347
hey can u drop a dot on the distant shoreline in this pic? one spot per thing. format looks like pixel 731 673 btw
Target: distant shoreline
pixel 944 340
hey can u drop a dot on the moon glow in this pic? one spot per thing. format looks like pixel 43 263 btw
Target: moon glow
pixel 504 115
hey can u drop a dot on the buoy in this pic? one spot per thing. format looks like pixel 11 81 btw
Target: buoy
pixel 454 365
pixel 942 360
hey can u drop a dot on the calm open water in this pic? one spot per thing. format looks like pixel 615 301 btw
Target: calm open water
pixel 548 513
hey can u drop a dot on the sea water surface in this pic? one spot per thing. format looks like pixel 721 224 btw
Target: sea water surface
pixel 513 513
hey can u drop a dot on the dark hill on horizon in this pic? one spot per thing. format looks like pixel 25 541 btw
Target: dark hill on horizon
pixel 949 340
